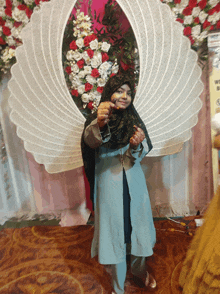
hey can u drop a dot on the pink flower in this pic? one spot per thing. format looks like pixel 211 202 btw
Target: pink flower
pixel 80 63
pixel 187 11
pixel 202 4
pixel 2 41
pixel 95 73
pixel 75 93
pixel 90 52
pixel 187 31
pixel 6 31
pixel 105 57
pixel 88 87
pixel 100 89
pixel 68 70
pixel 73 45
pixel 90 105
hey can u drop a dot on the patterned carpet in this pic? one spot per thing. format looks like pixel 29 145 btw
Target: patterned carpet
pixel 53 259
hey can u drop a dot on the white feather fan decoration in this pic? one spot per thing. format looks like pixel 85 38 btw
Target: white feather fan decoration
pixel 48 120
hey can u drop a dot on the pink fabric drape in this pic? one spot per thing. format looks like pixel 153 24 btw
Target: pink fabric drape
pixel 202 176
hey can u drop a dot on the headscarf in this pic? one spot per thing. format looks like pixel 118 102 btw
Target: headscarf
pixel 121 126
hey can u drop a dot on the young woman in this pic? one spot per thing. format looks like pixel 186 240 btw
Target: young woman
pixel 114 142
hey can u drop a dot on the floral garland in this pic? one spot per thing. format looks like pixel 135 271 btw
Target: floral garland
pixel 14 15
pixel 88 64
pixel 197 16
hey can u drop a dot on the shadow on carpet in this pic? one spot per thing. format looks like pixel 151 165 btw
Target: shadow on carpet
pixel 53 259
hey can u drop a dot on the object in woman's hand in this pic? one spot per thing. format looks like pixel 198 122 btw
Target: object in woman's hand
pixel 137 138
pixel 103 113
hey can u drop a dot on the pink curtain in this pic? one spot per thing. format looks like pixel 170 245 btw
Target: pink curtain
pixel 202 176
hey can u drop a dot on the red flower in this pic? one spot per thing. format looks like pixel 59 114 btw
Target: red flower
pixel 95 73
pixel 88 87
pixel 202 4
pixel 180 20
pixel 73 45
pixel 218 25
pixel 90 105
pixel 81 63
pixel 68 70
pixel 112 75
pixel 212 11
pixel 105 57
pixel 2 21
pixel 12 47
pixel 191 40
pixel 177 1
pixel 28 12
pixel 8 12
pixel 206 24
pixel 8 4
pixel 100 89
pixel 187 31
pixel 90 52
pixel 17 24
pixel 217 7
pixel 6 31
pixel 212 28
pixel 187 11
pixel 197 20
pixel 88 39
pixel 37 2
pixel 2 41
pixel 75 93
pixel 124 66
pixel 22 7
pixel 192 3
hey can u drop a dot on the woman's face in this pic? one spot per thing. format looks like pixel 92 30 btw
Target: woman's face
pixel 122 97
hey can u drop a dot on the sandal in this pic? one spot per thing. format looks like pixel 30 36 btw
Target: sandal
pixel 150 281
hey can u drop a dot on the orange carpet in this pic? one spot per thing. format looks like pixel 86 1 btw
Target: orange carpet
pixel 53 259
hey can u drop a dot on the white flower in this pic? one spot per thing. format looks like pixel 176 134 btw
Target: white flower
pixel 69 55
pixel 7 54
pixel 202 16
pixel 90 79
pixel 85 98
pixel 96 96
pixel 196 11
pixel 213 18
pixel 104 67
pixel 36 8
pixel 75 68
pixel 115 69
pixel 15 32
pixel 77 55
pixel 20 15
pixel 96 60
pixel 2 12
pixel 94 44
pixel 16 3
pixel 196 31
pixel 80 43
pixel 188 19
pixel 105 46
pixel 81 89
pixel 9 24
pixel 11 41
pixel 2 3
pixel 87 70
pixel 81 74
pixel 76 82
pixel 184 3
pixel 86 57
pixel 213 3
pixel 101 82
pixel 28 2
pixel 202 36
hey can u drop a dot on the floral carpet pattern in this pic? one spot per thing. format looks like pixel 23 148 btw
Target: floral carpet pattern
pixel 53 259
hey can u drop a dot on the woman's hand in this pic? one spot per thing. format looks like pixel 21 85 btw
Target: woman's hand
pixel 103 113
pixel 137 138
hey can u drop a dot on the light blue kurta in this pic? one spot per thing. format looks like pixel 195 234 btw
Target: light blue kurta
pixel 108 241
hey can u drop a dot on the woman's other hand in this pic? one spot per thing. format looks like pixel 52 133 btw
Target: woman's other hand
pixel 103 113
pixel 137 138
